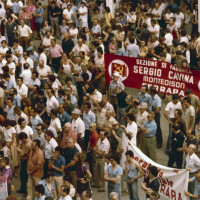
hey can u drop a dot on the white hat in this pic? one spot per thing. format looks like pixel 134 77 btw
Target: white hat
pixel 116 74
pixel 76 111
pixel 143 105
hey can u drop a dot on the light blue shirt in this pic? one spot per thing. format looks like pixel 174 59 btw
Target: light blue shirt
pixel 47 191
pixel 112 173
pixel 146 98
pixel 34 57
pixel 34 122
pixel 16 101
pixel 40 11
pixel 96 29
pixel 133 50
pixel 73 99
pixel 196 187
pixel 10 84
pixel 155 103
pixel 35 82
pixel 16 7
pixel 88 118
pixel 120 52
pixel 151 128
pixel 10 113
pixel 60 99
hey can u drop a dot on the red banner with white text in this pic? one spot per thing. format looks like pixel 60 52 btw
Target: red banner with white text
pixel 167 78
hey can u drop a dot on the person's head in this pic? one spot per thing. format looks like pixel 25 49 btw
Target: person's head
pixel 22 122
pixel 153 91
pixel 116 76
pixel 50 176
pixel 78 158
pixel 130 118
pixel 19 81
pixel 39 190
pixel 115 125
pixel 191 149
pixel 187 101
pixel 190 133
pixel 114 159
pixel 188 92
pixel 36 144
pixel 67 127
pixel 103 134
pixel 80 42
pixel 129 155
pixel 86 107
pixel 177 113
pixel 175 98
pixel 113 196
pixel 93 127
pixel 22 136
pixel 22 23
pixel 48 135
pixel 50 92
pixel 153 22
pixel 150 116
pixel 58 151
pixel 64 190
pixel 129 99
pixel 9 101
pixel 153 171
pixel 4 161
pixel 53 42
pixel 39 129
pixel 109 113
pixel 53 113
pixel 70 143
pixel 76 113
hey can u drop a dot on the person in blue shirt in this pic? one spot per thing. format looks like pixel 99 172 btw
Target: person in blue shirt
pixel 196 180
pixel 57 164
pixel 120 51
pixel 155 106
pixel 63 115
pixel 143 96
pixel 49 185
pixel 39 192
pixel 148 145
pixel 113 176
pixel 38 14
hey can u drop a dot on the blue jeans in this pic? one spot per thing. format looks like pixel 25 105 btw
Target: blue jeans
pixel 114 188
pixel 132 189
pixel 169 140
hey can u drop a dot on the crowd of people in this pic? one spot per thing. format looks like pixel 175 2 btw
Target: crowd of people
pixel 61 126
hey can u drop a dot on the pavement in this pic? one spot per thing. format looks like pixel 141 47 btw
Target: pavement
pixel 161 157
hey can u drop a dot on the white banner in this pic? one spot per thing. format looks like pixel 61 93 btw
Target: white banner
pixel 173 182
pixel 3 187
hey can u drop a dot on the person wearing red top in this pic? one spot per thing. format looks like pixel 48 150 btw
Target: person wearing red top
pixel 94 136
pixel 34 167
pixel 68 133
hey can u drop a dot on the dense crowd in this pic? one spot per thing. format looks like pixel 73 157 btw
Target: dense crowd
pixel 61 126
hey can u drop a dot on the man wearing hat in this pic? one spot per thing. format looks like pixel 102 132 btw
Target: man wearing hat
pixel 141 119
pixel 115 136
pixel 33 55
pixel 114 86
pixel 78 126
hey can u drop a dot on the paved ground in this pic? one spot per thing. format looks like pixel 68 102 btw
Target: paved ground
pixel 162 158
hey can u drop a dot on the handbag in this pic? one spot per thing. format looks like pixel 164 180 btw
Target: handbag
pixel 89 187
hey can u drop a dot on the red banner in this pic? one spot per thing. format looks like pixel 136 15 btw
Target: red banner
pixel 167 78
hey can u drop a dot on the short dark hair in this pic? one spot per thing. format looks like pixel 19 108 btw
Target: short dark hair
pixel 179 112
pixel 131 117
pixel 187 99
pixel 129 153
pixel 175 96
pixel 20 120
pixel 40 188
pixel 87 104
pixel 49 133
pixel 59 149
pixel 49 174
pixel 188 91
pixel 66 188
pixel 5 160
pixel 115 157
pixel 153 170
pixel 22 135
pixel 37 142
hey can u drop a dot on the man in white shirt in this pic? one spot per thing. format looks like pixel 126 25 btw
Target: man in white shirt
pixel 67 14
pixel 179 16
pixel 157 12
pixel 168 37
pixel 96 29
pixel 26 74
pixel 25 33
pixel 192 165
pixel 20 114
pixel 52 102
pixel 22 127
pixel 22 89
pixel 78 126
pixel 169 115
pixel 26 59
pixel 83 15
pixel 154 28
pixel 49 149
pixel 101 149
pixel 43 72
